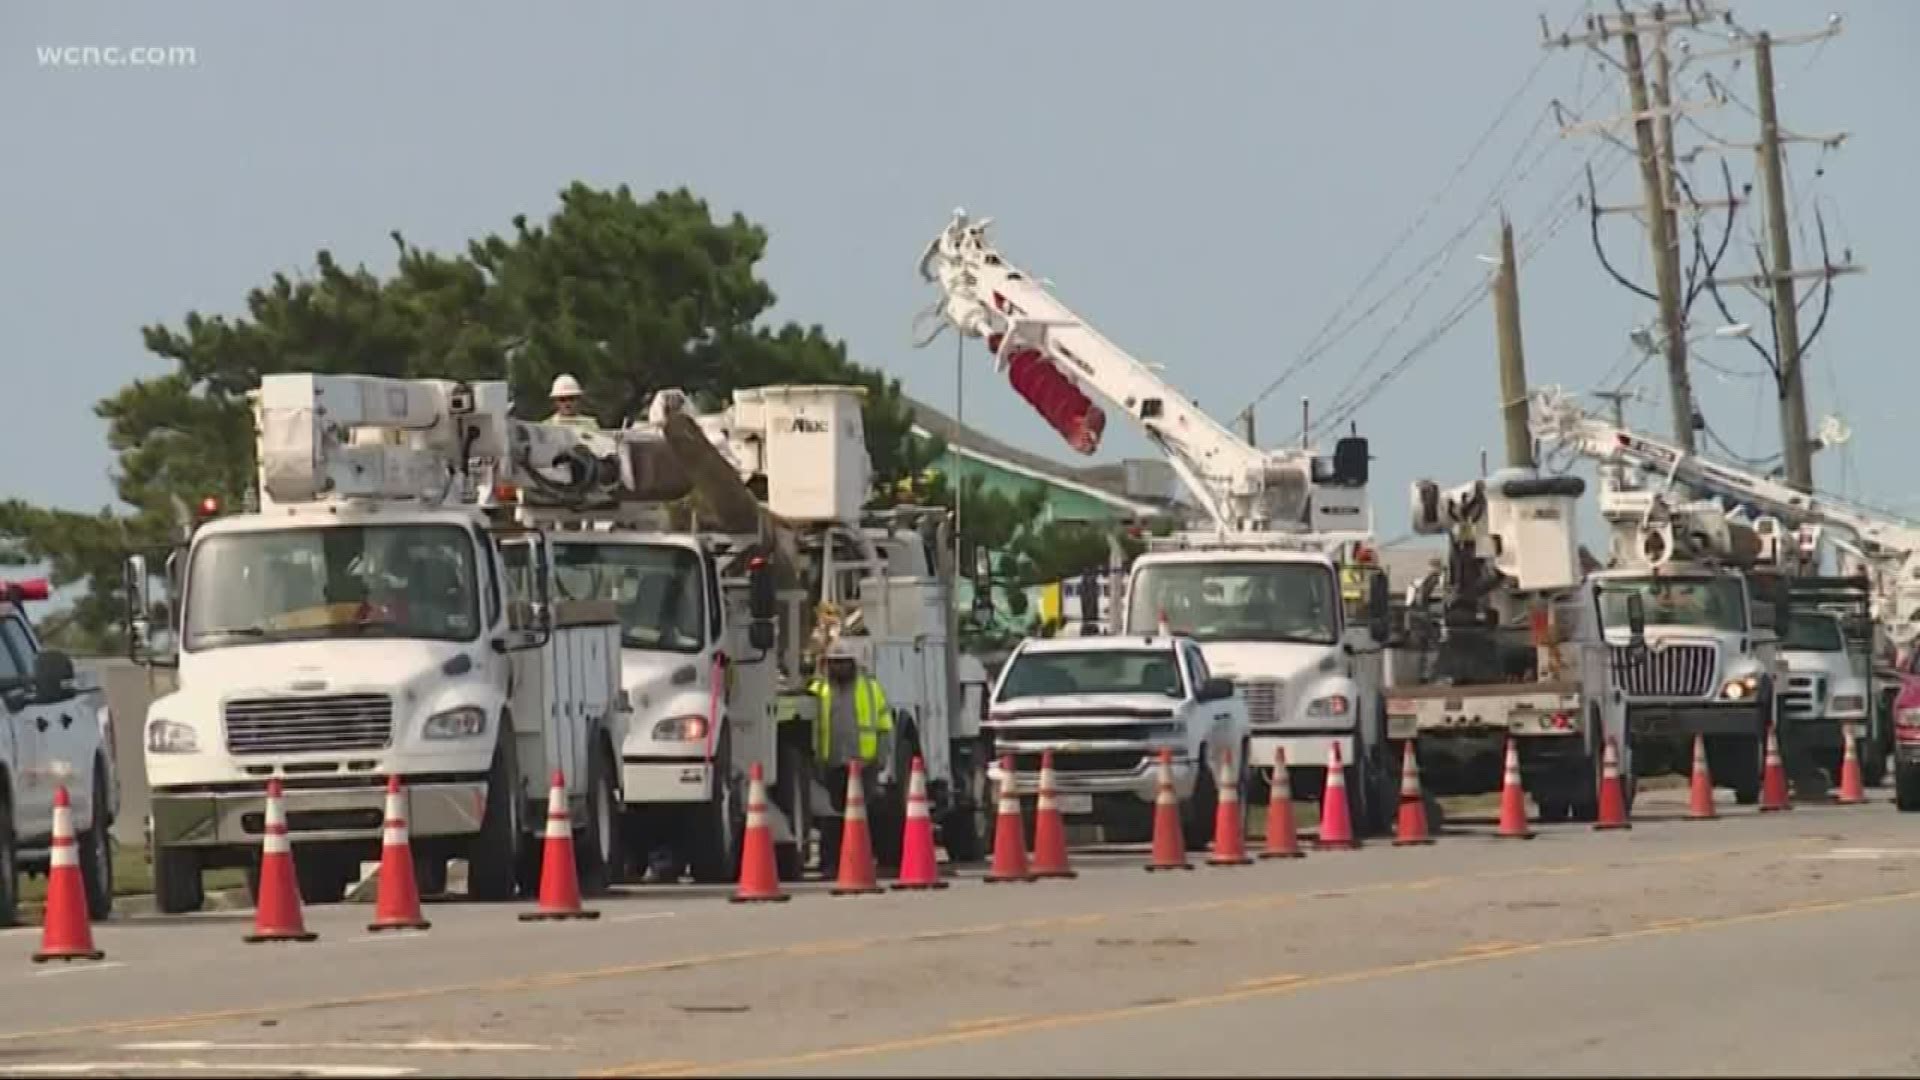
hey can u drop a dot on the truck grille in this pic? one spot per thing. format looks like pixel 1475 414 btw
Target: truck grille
pixel 1804 696
pixel 1263 700
pixel 1084 761
pixel 295 725
pixel 1677 671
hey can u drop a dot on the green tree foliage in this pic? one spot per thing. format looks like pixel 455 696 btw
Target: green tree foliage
pixel 628 296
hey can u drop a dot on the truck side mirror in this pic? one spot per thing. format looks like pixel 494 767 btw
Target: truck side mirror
pixel 1379 608
pixel 761 606
pixel 52 677
pixel 1636 617
pixel 1216 689
pixel 139 596
pixel 760 634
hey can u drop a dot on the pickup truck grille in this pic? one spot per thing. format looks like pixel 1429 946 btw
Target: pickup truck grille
pixel 294 725
pixel 1083 761
pixel 1263 700
pixel 1804 697
pixel 1677 671
pixel 1030 732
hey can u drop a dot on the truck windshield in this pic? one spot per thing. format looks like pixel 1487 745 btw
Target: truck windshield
pixel 387 581
pixel 655 588
pixel 1237 601
pixel 1715 603
pixel 1813 633
pixel 1104 671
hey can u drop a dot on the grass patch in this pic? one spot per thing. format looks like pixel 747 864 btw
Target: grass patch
pixel 133 876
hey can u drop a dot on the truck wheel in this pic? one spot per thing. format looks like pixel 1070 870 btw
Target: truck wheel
pixel 1745 773
pixel 96 855
pixel 493 861
pixel 962 828
pixel 430 874
pixel 323 876
pixel 177 886
pixel 599 844
pixel 1873 763
pixel 9 870
pixel 719 823
pixel 1906 786
pixel 1198 821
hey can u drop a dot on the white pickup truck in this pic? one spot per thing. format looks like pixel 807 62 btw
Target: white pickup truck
pixel 1106 707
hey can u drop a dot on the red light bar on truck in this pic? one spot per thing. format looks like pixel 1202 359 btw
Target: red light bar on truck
pixel 20 591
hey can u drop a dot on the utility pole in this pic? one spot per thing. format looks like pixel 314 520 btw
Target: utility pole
pixel 1513 361
pixel 1652 117
pixel 1796 448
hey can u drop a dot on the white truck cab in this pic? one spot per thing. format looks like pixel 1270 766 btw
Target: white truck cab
pixel 1106 707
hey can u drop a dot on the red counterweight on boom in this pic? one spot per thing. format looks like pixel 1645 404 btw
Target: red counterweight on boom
pixel 1054 396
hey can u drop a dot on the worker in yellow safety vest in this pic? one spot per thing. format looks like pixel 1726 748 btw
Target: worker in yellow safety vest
pixel 566 405
pixel 854 723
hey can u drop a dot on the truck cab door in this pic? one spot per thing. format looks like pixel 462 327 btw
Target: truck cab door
pixel 28 729
pixel 71 730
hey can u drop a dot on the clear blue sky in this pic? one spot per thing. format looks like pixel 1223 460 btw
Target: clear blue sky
pixel 1205 182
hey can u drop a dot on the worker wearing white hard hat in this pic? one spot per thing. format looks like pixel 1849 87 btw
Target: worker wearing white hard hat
pixel 854 723
pixel 566 405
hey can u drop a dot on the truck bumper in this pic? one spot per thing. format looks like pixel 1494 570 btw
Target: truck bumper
pixel 657 779
pixel 1308 751
pixel 1674 721
pixel 1083 791
pixel 224 818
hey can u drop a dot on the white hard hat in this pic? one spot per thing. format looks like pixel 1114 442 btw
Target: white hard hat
pixel 565 386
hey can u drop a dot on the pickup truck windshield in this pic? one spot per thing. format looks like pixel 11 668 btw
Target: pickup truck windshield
pixel 1813 633
pixel 342 581
pixel 1106 671
pixel 1715 603
pixel 1238 601
pixel 655 587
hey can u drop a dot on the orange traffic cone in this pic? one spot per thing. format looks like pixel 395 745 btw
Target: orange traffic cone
pixel 1700 794
pixel 1413 805
pixel 1613 796
pixel 1009 832
pixel 1283 839
pixel 919 866
pixel 856 842
pixel 1773 778
pixel 1229 832
pixel 1336 818
pixel 1169 839
pixel 559 880
pixel 1513 799
pixel 277 906
pixel 1049 828
pixel 66 934
pixel 398 905
pixel 1853 788
pixel 759 873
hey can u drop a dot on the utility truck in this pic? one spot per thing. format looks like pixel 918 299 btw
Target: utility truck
pixel 781 475
pixel 373 613
pixel 1506 645
pixel 1826 645
pixel 1277 587
pixel 1106 707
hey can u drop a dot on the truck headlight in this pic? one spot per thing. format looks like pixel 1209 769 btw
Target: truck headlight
pixel 168 737
pixel 461 723
pixel 1330 706
pixel 1740 689
pixel 681 729
pixel 1849 703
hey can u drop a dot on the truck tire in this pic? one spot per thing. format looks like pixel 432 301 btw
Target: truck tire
pixel 1906 786
pixel 1873 763
pixel 493 861
pixel 96 853
pixel 1745 772
pixel 177 885
pixel 430 874
pixel 1197 822
pixel 790 859
pixel 963 827
pixel 714 848
pixel 599 843
pixel 324 876
pixel 9 869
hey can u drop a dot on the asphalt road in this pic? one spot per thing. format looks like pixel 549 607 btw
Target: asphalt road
pixel 1754 944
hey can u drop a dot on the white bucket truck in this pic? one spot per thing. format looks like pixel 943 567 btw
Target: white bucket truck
pixel 715 654
pixel 368 618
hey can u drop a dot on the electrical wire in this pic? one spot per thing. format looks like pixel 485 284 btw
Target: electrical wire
pixel 1319 344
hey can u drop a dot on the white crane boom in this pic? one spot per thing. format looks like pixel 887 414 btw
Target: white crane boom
pixel 1889 547
pixel 1049 353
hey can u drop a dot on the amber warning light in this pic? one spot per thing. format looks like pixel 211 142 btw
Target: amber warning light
pixel 18 591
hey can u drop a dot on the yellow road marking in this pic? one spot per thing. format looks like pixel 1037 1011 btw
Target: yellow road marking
pixel 559 979
pixel 1480 947
pixel 985 1022
pixel 1256 989
pixel 643 1070
pixel 1271 982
